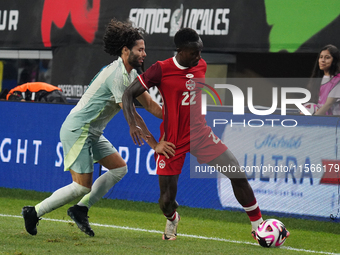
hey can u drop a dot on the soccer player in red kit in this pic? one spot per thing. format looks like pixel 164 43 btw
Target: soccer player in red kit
pixel 178 79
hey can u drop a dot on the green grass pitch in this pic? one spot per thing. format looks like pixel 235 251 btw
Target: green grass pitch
pixel 126 227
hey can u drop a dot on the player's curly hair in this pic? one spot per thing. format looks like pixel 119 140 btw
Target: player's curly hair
pixel 185 36
pixel 119 34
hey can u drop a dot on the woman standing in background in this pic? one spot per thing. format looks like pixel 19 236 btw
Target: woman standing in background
pixel 325 81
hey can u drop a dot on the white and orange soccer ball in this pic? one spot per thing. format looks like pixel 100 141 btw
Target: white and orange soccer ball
pixel 271 233
pixel 311 107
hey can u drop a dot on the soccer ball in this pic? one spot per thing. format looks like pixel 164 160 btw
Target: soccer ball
pixel 271 233
pixel 311 107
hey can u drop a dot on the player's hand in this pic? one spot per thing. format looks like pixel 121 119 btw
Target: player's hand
pixel 138 135
pixel 165 148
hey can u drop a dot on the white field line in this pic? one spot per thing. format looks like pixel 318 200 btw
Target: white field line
pixel 184 235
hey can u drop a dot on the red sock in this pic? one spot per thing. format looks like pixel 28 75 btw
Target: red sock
pixel 172 216
pixel 253 211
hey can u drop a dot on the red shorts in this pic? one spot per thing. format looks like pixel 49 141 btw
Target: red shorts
pixel 205 148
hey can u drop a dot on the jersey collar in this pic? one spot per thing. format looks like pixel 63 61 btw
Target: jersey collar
pixel 178 65
pixel 120 60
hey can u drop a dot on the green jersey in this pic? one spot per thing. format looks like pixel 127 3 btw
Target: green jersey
pixel 101 100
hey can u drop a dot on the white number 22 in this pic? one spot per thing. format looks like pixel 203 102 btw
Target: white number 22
pixel 186 100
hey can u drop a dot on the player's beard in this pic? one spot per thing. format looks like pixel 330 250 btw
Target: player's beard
pixel 134 60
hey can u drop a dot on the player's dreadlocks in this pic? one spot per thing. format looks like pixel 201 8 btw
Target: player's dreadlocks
pixel 119 34
pixel 185 36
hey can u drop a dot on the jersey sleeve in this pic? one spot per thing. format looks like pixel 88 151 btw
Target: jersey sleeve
pixel 152 77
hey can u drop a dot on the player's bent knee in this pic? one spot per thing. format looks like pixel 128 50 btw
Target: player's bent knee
pixel 119 172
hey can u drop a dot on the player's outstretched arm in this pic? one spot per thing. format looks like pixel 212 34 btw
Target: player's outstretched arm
pixel 162 147
pixel 138 133
pixel 134 90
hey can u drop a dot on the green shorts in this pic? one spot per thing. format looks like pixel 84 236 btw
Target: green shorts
pixel 82 149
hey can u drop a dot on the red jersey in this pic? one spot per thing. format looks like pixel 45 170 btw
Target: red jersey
pixel 180 89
